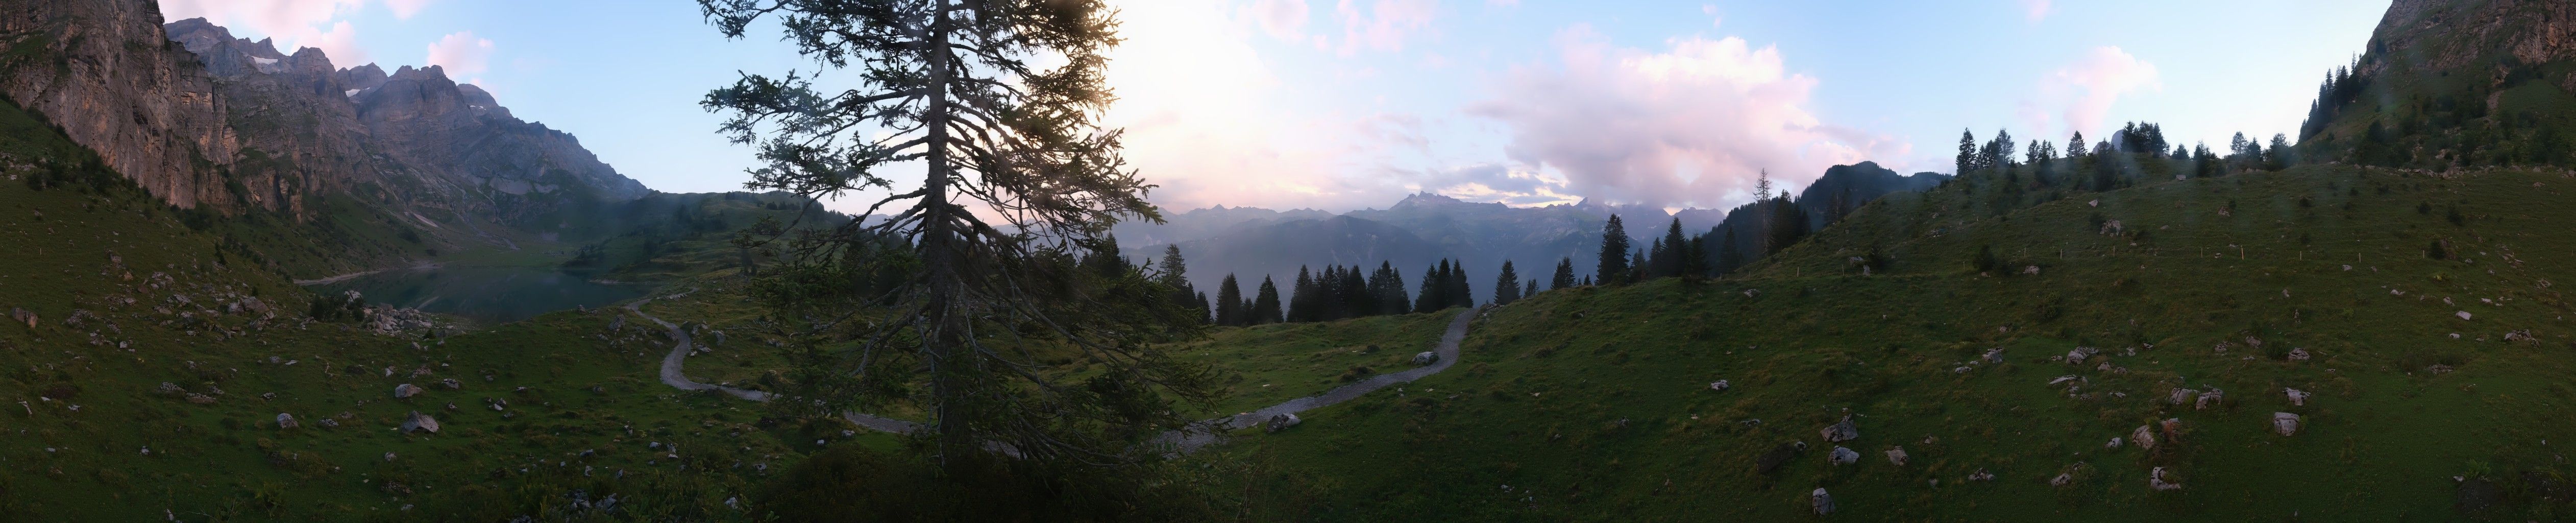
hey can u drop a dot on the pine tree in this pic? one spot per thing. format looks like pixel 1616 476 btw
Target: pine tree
pixel 1532 289
pixel 1301 304
pixel 1265 308
pixel 1507 286
pixel 1614 252
pixel 1675 248
pixel 1428 299
pixel 1729 256
pixel 1229 304
pixel 1788 225
pixel 1636 267
pixel 2075 145
pixel 1358 300
pixel 1174 274
pixel 1564 274
pixel 1967 157
pixel 1459 294
pixel 1695 259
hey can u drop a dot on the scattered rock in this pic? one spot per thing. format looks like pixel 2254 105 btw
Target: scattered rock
pixel 2285 423
pixel 2171 429
pixel 1981 475
pixel 1823 502
pixel 1995 355
pixel 1719 385
pixel 1279 422
pixel 2061 480
pixel 201 399
pixel 2438 369
pixel 1426 358
pixel 1896 456
pixel 2208 399
pixel 419 422
pixel 2063 379
pixel 2156 480
pixel 2146 440
pixel 2464 315
pixel 171 389
pixel 2080 354
pixel 452 384
pixel 2297 397
pixel 329 423
pixel 1843 456
pixel 1841 432
pixel 406 390
pixel 2298 355
pixel 2184 395
pixel 2115 443
pixel 286 421
pixel 2031 270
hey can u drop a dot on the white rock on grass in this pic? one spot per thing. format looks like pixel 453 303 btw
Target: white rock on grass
pixel 286 421
pixel 1843 456
pixel 2145 439
pixel 2115 443
pixel 406 390
pixel 2285 423
pixel 1841 432
pixel 1821 501
pixel 2156 480
pixel 1719 385
pixel 1896 456
pixel 2297 397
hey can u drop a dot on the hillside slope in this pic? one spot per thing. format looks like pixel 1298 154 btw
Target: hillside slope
pixel 1595 403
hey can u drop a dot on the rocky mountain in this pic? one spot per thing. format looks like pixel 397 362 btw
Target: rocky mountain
pixel 2445 83
pixel 104 72
pixel 1424 228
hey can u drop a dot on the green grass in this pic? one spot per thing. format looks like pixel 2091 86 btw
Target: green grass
pixel 1546 382
pixel 1267 364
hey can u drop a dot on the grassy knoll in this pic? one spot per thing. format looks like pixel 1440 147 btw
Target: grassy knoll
pixel 1593 404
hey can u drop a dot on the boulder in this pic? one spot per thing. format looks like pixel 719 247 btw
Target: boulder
pixel 2156 480
pixel 419 422
pixel 171 389
pixel 1843 456
pixel 2285 423
pixel 2183 395
pixel 1780 455
pixel 2297 397
pixel 1279 422
pixel 2298 355
pixel 1719 385
pixel 2115 443
pixel 406 390
pixel 1823 502
pixel 2061 480
pixel 2209 399
pixel 1995 355
pixel 286 421
pixel 2464 315
pixel 2145 439
pixel 1896 456
pixel 451 384
pixel 1426 358
pixel 1841 432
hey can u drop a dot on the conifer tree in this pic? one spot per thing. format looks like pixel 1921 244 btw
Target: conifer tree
pixel 1301 304
pixel 1614 252
pixel 1675 250
pixel 1174 274
pixel 1695 259
pixel 2075 145
pixel 1564 274
pixel 1357 300
pixel 1507 286
pixel 1459 293
pixel 1967 161
pixel 1429 298
pixel 1636 268
pixel 1229 304
pixel 1729 257
pixel 1265 307
pixel 1531 290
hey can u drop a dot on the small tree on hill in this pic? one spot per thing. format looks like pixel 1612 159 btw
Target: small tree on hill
pixel 1614 253
pixel 1507 286
pixel 1564 274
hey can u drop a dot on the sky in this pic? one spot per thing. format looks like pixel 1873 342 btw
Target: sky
pixel 1348 104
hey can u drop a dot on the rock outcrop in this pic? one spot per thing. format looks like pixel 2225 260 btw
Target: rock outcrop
pixel 104 72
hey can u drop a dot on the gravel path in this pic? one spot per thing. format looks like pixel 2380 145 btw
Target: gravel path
pixel 1199 435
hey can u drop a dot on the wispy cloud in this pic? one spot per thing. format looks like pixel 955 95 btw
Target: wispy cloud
pixel 461 54
pixel 2035 10
pixel 292 23
pixel 2084 91
pixel 1385 25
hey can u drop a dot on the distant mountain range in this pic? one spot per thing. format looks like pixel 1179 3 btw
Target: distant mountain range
pixel 1422 229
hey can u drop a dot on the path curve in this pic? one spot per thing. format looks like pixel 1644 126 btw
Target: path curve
pixel 1196 436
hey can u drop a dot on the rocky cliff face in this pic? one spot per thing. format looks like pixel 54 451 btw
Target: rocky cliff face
pixel 202 118
pixel 104 71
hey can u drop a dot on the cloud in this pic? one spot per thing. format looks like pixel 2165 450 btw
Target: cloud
pixel 1691 124
pixel 1385 25
pixel 403 9
pixel 2035 10
pixel 1282 19
pixel 461 54
pixel 2085 90
pixel 292 23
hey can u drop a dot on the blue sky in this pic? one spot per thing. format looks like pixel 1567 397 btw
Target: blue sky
pixel 1345 104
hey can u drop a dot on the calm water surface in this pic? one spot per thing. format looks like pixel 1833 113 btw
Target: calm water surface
pixel 491 294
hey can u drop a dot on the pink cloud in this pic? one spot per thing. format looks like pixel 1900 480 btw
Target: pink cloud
pixel 1691 124
pixel 1282 19
pixel 1386 24
pixel 293 23
pixel 2087 88
pixel 461 54
pixel 403 9
pixel 2035 10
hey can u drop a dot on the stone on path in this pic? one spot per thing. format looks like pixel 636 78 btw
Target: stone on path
pixel 1841 432
pixel 406 390
pixel 1426 358
pixel 1823 502
pixel 1279 422
pixel 1843 456
pixel 419 422
pixel 286 421
pixel 2285 423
